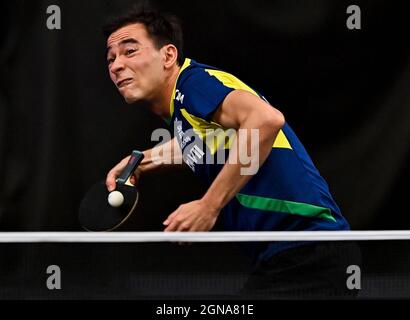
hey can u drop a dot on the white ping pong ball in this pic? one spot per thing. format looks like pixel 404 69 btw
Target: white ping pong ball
pixel 115 199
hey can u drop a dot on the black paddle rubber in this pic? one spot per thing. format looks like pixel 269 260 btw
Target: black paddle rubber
pixel 96 214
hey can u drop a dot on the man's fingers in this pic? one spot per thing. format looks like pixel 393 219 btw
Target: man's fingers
pixel 172 225
pixel 133 179
pixel 170 228
pixel 183 227
pixel 111 181
pixel 170 218
pixel 167 221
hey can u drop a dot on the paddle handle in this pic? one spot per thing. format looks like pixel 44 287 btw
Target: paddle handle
pixel 133 163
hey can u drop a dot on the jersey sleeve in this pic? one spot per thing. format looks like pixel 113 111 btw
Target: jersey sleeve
pixel 203 93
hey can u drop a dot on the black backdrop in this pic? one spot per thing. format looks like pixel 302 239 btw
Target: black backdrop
pixel 346 94
pixel 63 126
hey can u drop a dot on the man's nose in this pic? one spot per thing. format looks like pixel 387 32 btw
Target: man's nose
pixel 117 65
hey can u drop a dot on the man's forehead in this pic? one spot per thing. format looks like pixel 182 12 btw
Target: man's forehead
pixel 134 31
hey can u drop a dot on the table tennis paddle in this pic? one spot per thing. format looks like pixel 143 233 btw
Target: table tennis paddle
pixel 96 214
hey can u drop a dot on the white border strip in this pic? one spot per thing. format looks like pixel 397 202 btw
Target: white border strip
pixel 132 237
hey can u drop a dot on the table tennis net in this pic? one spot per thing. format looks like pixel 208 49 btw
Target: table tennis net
pixel 163 270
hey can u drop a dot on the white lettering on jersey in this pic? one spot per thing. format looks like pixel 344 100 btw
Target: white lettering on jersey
pixel 179 96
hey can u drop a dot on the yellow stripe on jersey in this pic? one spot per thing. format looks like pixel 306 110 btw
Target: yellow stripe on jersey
pixel 281 141
pixel 230 81
pixel 186 64
pixel 215 136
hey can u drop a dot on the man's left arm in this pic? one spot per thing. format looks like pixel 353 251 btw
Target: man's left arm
pixel 244 112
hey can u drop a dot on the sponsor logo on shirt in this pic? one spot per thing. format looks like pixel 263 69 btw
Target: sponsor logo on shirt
pixel 179 96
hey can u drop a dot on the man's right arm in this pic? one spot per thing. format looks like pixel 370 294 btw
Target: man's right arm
pixel 165 156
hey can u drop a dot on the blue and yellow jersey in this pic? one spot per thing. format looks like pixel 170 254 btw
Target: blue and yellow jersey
pixel 286 194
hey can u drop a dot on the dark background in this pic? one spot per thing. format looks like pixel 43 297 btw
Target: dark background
pixel 345 92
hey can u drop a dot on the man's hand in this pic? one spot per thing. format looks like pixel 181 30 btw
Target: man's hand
pixel 115 173
pixel 151 163
pixel 194 216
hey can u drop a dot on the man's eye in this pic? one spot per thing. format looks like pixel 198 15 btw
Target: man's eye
pixel 130 51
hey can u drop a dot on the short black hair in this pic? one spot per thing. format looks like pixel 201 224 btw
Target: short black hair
pixel 163 28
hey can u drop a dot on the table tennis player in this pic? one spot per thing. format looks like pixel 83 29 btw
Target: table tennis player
pixel 286 192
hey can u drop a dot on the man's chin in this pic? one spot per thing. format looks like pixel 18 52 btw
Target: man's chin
pixel 131 100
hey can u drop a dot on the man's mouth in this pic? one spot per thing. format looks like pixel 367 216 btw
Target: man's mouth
pixel 124 82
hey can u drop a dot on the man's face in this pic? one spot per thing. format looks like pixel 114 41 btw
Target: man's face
pixel 135 65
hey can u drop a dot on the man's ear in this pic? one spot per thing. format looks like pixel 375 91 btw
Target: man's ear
pixel 170 54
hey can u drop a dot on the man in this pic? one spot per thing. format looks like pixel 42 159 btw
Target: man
pixel 286 192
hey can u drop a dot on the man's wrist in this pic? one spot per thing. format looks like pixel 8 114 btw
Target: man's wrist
pixel 213 203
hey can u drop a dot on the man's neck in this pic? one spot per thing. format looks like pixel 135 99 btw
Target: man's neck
pixel 161 106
